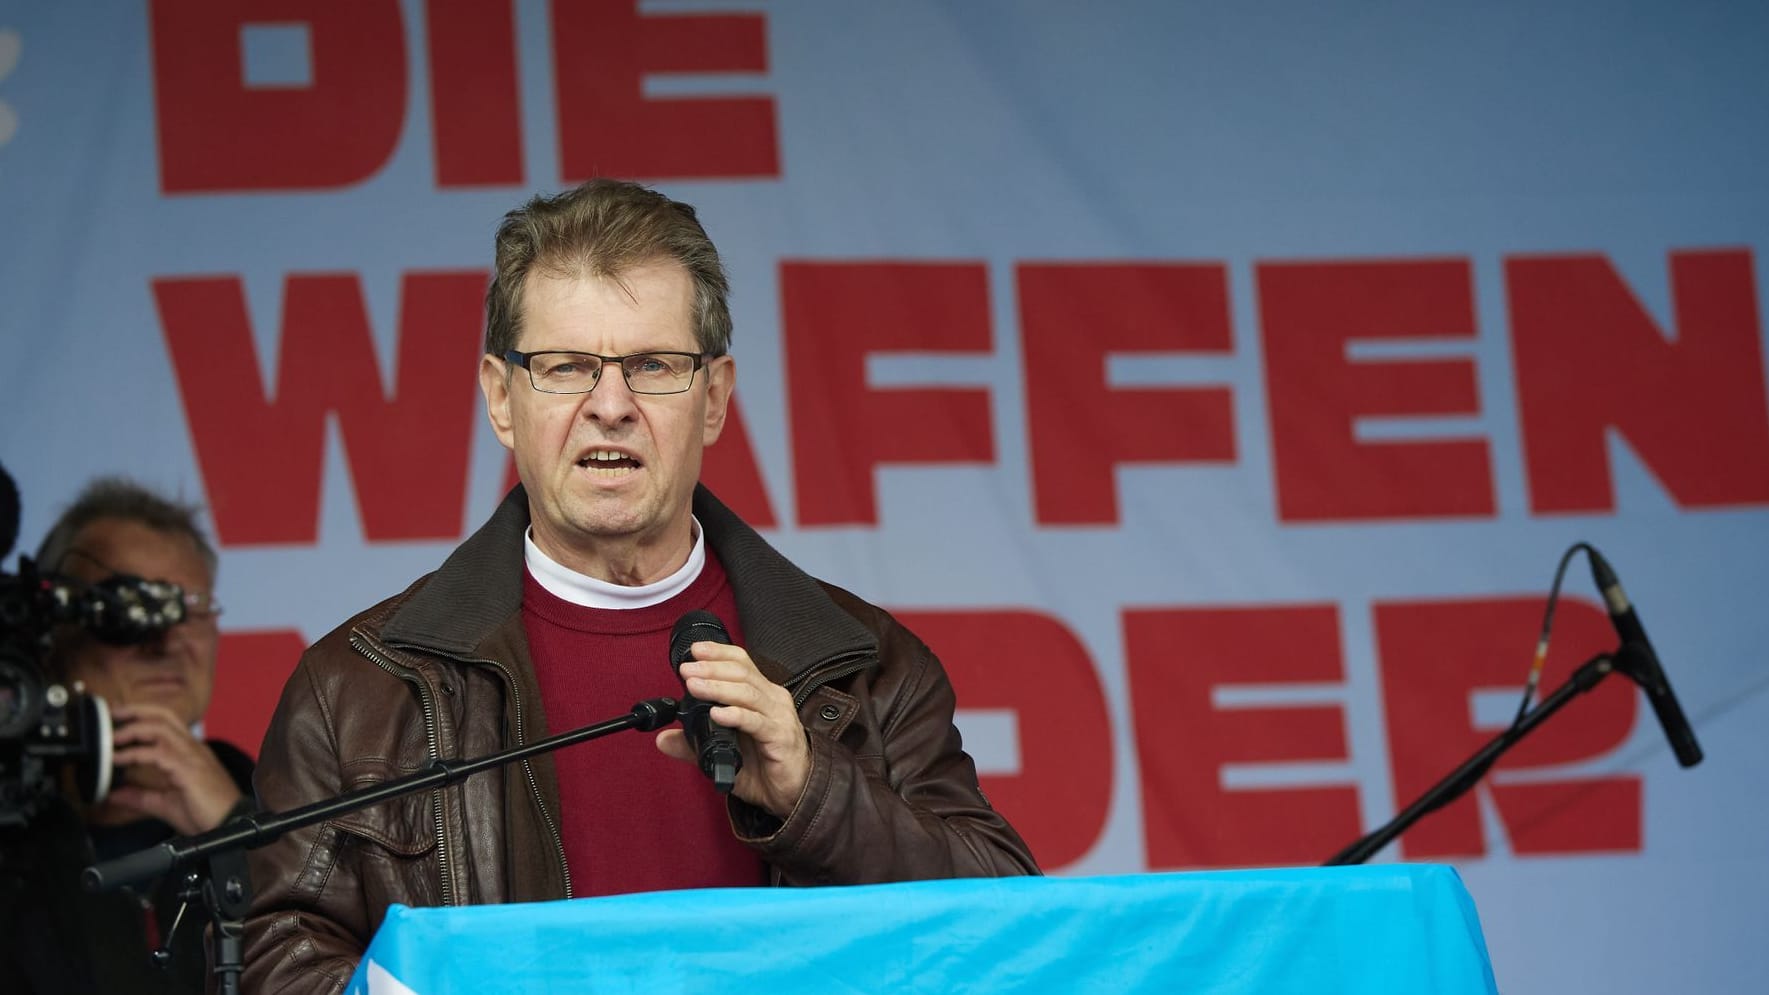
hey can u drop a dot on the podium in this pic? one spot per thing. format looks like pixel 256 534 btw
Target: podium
pixel 1401 928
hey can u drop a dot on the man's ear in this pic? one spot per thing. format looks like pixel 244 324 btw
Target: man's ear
pixel 494 383
pixel 721 380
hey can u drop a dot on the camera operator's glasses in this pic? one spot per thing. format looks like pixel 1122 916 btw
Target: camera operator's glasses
pixel 142 606
pixel 554 372
pixel 200 606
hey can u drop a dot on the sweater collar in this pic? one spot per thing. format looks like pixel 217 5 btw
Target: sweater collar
pixel 568 585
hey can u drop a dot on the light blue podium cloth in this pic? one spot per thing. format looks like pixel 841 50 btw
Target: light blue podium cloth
pixel 1388 928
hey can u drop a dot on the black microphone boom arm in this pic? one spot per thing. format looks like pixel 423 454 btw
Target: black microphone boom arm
pixel 252 831
pixel 1457 783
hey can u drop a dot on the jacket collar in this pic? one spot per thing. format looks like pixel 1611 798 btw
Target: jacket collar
pixel 789 622
pixel 476 589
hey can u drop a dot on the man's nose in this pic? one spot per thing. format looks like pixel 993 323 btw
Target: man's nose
pixel 611 400
pixel 161 643
pixel 155 644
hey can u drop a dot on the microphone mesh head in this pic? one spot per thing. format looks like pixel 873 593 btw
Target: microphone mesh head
pixel 698 626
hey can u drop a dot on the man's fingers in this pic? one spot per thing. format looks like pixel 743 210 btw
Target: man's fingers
pixel 726 692
pixel 747 721
pixel 148 723
pixel 674 743
pixel 720 651
pixel 722 670
pixel 176 746
pixel 137 756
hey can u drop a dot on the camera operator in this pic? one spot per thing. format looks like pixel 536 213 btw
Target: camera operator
pixel 58 938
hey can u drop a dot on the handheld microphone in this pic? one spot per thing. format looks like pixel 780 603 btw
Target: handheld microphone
pixel 716 745
pixel 1637 659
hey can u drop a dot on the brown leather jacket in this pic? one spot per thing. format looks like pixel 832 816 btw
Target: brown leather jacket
pixel 443 670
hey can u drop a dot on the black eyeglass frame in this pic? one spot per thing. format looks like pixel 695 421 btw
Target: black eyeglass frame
pixel 518 358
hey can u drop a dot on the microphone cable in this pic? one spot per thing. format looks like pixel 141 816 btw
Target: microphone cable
pixel 1535 669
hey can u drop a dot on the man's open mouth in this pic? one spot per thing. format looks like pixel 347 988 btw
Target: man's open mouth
pixel 608 461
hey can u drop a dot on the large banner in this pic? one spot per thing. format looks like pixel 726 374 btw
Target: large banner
pixel 1214 386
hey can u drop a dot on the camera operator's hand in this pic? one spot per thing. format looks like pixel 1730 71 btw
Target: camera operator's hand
pixel 167 773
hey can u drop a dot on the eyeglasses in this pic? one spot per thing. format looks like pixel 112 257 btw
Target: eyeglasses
pixel 554 372
pixel 200 607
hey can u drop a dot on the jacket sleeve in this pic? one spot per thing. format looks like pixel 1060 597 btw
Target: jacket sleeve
pixel 307 926
pixel 914 813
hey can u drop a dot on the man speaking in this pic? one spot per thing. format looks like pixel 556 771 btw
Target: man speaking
pixel 606 374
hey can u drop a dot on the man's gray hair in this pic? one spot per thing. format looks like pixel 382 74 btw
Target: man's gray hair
pixel 124 499
pixel 602 229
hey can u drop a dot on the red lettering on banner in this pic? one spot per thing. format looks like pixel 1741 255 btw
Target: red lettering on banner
pixel 730 469
pixel 1173 659
pixel 217 133
pixel 475 111
pixel 1072 317
pixel 250 671
pixel 602 51
pixel 1062 794
pixel 1589 359
pixel 834 315
pixel 1310 312
pixel 1434 656
pixel 262 458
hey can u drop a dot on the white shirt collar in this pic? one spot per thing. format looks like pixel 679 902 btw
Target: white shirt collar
pixel 581 589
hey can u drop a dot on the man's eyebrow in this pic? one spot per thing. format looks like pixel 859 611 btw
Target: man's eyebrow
pixel 73 550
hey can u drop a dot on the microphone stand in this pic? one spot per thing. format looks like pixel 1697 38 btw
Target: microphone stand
pixel 1466 776
pixel 215 860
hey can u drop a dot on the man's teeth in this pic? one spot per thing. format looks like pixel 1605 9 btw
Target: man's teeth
pixel 607 459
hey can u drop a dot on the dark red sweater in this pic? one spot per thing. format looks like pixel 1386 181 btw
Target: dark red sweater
pixel 632 819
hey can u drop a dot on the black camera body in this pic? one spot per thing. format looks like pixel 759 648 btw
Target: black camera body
pixel 55 739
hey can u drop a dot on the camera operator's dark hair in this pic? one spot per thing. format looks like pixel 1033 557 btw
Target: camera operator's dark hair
pixel 125 500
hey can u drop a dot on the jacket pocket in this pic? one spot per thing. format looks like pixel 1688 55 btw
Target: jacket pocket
pixel 402 827
pixel 390 847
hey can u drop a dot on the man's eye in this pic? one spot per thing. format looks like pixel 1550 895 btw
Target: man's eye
pixel 648 364
pixel 565 368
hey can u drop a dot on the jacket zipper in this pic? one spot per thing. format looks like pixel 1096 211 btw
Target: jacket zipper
pixel 528 774
pixel 834 670
pixel 430 737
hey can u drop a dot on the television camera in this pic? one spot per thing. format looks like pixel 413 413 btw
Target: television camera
pixel 55 738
